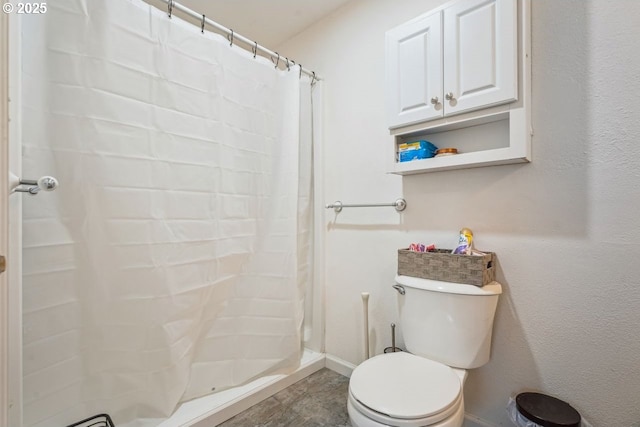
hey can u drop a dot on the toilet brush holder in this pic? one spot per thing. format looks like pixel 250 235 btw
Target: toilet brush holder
pixel 393 347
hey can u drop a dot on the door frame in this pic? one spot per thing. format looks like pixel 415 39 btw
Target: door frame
pixel 4 217
pixel 10 224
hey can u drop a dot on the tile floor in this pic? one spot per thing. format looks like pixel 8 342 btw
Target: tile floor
pixel 320 400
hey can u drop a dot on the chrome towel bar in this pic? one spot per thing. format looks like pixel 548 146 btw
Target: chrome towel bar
pixel 337 206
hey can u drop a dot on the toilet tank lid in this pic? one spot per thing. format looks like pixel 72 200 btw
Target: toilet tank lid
pixel 493 288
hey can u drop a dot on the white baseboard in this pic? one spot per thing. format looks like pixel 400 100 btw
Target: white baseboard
pixel 338 365
pixel 473 421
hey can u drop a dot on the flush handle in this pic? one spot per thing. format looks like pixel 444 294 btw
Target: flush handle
pixel 399 288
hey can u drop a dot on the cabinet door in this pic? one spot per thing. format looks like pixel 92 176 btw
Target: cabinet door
pixel 480 54
pixel 414 71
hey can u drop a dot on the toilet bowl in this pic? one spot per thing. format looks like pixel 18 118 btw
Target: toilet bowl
pixel 403 390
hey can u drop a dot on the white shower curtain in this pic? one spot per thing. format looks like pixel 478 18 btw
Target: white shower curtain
pixel 172 260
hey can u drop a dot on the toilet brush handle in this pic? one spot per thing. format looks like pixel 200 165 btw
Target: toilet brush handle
pixel 365 307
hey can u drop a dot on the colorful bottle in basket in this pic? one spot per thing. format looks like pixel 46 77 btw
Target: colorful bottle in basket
pixel 465 242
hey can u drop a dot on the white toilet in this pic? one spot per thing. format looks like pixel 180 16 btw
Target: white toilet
pixel 447 329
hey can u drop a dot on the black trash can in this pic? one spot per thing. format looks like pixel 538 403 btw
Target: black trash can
pixel 547 411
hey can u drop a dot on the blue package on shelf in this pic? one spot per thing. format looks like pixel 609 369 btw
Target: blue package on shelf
pixel 416 150
pixel 408 155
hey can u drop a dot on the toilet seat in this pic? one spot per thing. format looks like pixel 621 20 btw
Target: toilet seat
pixel 361 416
pixel 403 389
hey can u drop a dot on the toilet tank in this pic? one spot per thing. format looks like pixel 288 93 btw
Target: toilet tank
pixel 448 322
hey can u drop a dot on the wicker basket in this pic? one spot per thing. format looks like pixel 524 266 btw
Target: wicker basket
pixel 443 265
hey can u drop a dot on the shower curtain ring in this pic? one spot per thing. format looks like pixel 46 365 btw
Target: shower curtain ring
pixel 288 69
pixel 278 60
pixel 300 76
pixel 202 25
pixel 170 7
pixel 313 78
pixel 255 50
pixel 230 37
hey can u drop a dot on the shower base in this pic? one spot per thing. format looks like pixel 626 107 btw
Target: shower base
pixel 214 409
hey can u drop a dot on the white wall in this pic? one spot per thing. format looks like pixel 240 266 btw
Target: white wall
pixel 566 226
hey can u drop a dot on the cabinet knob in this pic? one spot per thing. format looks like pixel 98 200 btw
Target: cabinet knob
pixel 449 96
pixel 434 100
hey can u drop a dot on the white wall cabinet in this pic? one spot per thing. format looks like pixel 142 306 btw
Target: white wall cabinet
pixel 414 71
pixel 480 56
pixel 457 59
pixel 465 64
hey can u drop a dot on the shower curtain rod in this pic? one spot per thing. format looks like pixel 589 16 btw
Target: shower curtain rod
pixel 232 36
